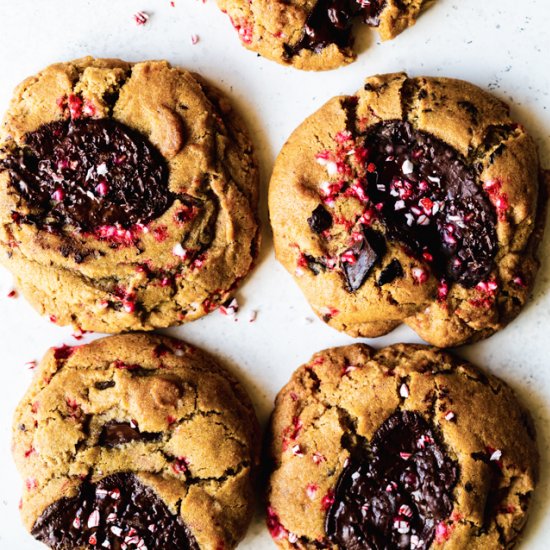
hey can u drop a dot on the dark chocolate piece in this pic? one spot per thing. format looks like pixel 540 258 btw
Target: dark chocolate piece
pixel 330 22
pixel 364 254
pixel 117 433
pixel 88 173
pixel 431 201
pixel 393 496
pixel 320 220
pixel 118 509
pixel 391 272
pixel 105 385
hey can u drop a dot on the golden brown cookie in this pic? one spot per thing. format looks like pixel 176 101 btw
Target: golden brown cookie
pixel 315 34
pixel 135 441
pixel 128 195
pixel 416 201
pixel 407 447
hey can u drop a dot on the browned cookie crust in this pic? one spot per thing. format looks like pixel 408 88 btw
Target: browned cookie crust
pixel 406 447
pixel 315 34
pixel 128 195
pixel 136 440
pixel 416 201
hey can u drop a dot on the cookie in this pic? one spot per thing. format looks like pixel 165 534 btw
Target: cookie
pixel 128 195
pixel 315 35
pixel 405 447
pixel 135 441
pixel 414 201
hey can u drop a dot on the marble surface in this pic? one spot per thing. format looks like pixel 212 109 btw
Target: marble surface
pixel 501 45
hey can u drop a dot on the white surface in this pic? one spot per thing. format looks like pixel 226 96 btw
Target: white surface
pixel 502 45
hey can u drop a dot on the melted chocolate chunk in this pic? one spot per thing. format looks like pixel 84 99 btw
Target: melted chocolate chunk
pixel 358 261
pixel 118 509
pixel 330 22
pixel 117 433
pixel 104 385
pixel 320 220
pixel 89 173
pixel 432 201
pixel 395 497
pixel 391 272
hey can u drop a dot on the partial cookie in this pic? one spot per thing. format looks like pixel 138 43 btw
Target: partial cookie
pixel 128 195
pixel 406 447
pixel 315 34
pixel 415 200
pixel 135 441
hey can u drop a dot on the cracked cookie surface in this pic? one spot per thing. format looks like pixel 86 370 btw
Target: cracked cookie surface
pixel 417 201
pixel 404 447
pixel 128 195
pixel 315 34
pixel 139 440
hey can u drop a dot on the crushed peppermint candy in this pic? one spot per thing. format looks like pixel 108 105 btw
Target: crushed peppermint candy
pixel 311 490
pixel 141 18
pixel 180 252
pixel 230 307
pixel 407 167
pixel 404 391
pixel 318 457
pixel 496 455
pixel 195 39
pixel 450 415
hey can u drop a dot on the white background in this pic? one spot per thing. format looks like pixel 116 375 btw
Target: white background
pixel 502 45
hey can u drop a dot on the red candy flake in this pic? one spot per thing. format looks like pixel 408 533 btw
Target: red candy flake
pixel 160 233
pixel 328 312
pixel 311 490
pixel 195 39
pixel 58 195
pixel 124 366
pixel 442 291
pixel 497 197
pixel 442 532
pixel 63 352
pixel 405 456
pixel 420 275
pixel 488 287
pixel 31 365
pixel 78 333
pixel 116 234
pixel 518 280
pixel 53 319
pixel 92 540
pixel 141 18
pixel 244 29
pixel 507 509
pixel 347 369
pixel 405 510
pixel 349 257
pixel 274 526
pixel 292 432
pixel 31 483
pixel 401 525
pixel 297 451
pixel 423 441
pixel 489 290
pixel 75 104
pixel 29 452
pixel 89 108
pixel 34 407
pixel 180 465
pixel 318 457
pixel 230 308
pixel 171 419
pixel 327 500
pixel 12 294
pixel 450 415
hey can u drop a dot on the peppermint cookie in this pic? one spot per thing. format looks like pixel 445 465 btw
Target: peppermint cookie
pixel 407 447
pixel 127 195
pixel 415 200
pixel 315 34
pixel 135 441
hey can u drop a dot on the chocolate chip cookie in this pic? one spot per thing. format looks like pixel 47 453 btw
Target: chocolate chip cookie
pixel 415 200
pixel 406 447
pixel 128 195
pixel 315 34
pixel 135 441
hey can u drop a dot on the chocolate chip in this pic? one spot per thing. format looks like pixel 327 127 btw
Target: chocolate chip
pixel 104 385
pixel 315 265
pixel 391 272
pixel 116 508
pixel 330 21
pixel 432 201
pixel 89 173
pixel 364 255
pixel 398 489
pixel 320 220
pixel 117 433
